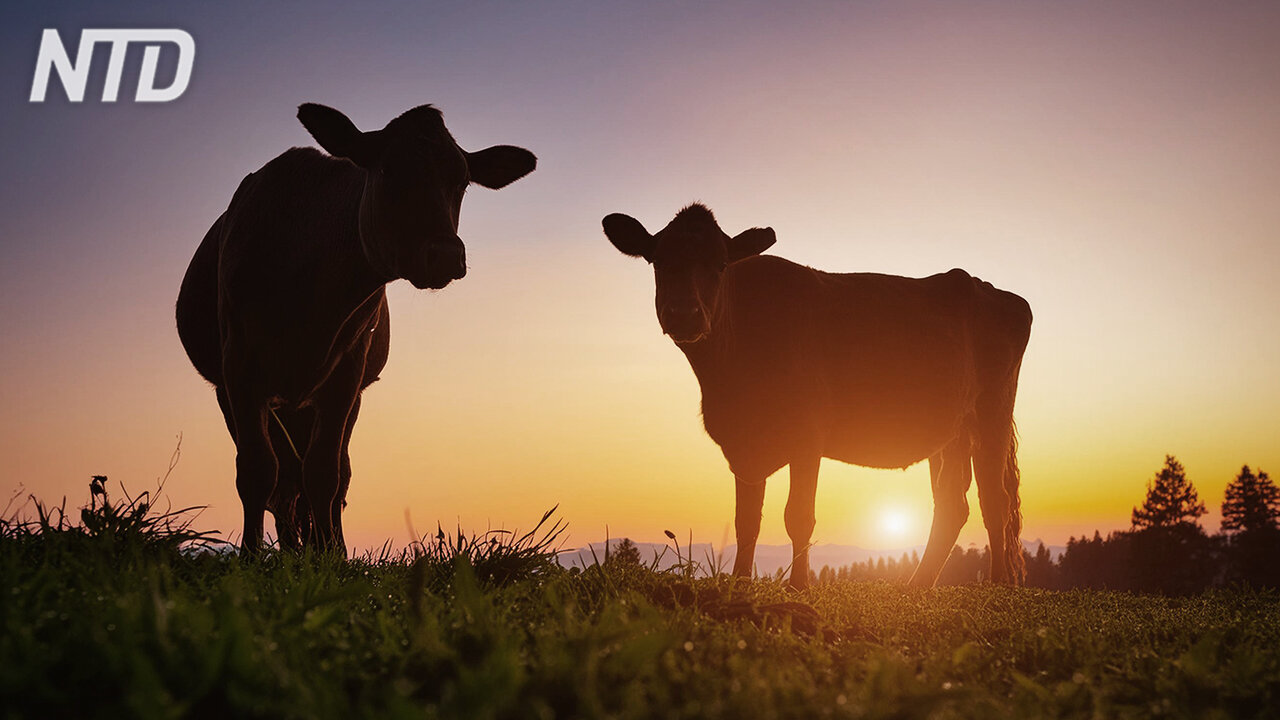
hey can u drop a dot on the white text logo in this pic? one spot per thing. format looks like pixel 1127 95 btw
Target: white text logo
pixel 75 76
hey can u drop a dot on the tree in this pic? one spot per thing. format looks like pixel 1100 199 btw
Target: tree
pixel 625 553
pixel 1039 567
pixel 1171 499
pixel 1252 502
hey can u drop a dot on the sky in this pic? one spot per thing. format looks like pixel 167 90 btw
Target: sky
pixel 1116 164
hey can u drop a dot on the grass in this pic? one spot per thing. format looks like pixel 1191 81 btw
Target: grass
pixel 128 613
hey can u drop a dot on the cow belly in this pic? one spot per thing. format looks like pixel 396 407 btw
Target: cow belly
pixel 894 438
pixel 294 362
pixel 295 381
pixel 894 414
pixel 884 450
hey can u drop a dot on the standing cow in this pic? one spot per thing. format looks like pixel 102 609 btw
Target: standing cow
pixel 284 308
pixel 882 371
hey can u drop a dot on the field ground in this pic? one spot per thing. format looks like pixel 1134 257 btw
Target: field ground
pixel 109 618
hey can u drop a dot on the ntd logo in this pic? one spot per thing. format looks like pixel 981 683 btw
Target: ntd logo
pixel 75 76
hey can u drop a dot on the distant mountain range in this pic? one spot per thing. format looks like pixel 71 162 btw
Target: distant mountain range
pixel 769 558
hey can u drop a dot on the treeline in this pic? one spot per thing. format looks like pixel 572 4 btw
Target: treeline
pixel 1165 551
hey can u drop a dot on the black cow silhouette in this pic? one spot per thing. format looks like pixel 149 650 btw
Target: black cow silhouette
pixel 796 364
pixel 284 309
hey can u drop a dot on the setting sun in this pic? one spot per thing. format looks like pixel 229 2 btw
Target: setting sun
pixel 895 524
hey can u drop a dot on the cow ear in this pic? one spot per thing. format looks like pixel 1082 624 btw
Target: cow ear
pixel 629 236
pixel 500 165
pixel 337 134
pixel 750 242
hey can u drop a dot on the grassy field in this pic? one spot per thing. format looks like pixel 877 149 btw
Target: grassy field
pixel 108 616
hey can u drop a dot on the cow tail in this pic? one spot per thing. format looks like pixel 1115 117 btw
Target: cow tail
pixel 1013 525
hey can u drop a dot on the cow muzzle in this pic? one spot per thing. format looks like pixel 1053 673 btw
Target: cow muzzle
pixel 684 324
pixel 443 262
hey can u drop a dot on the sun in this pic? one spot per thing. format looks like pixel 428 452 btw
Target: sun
pixel 894 523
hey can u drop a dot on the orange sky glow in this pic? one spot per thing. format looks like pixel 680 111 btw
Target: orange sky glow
pixel 1117 168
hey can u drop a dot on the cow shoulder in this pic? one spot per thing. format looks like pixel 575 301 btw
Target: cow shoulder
pixel 768 282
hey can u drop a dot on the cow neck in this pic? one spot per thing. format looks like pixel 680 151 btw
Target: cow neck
pixel 709 353
pixel 367 281
pixel 364 279
pixel 367 274
pixel 371 268
pixel 367 277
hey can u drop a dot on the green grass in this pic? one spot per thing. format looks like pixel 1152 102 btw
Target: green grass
pixel 110 616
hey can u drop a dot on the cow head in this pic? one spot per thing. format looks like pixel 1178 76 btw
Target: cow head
pixel 415 176
pixel 689 258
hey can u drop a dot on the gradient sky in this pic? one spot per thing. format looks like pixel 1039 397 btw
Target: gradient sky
pixel 1117 164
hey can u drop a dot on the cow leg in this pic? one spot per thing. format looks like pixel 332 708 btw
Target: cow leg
pixel 748 504
pixel 255 465
pixel 286 504
pixel 799 516
pixel 344 471
pixel 989 463
pixel 917 577
pixel 244 485
pixel 224 404
pixel 301 508
pixel 321 468
pixel 951 474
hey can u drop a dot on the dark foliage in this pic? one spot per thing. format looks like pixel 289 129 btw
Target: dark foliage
pixel 1171 499
pixel 625 553
pixel 1175 560
pixel 1252 502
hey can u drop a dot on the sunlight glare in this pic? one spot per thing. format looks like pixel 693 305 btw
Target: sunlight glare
pixel 894 523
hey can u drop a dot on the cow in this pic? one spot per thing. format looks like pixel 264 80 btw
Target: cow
pixel 796 365
pixel 283 307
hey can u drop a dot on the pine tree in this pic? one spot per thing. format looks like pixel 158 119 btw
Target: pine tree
pixel 625 553
pixel 1040 568
pixel 1171 499
pixel 1252 502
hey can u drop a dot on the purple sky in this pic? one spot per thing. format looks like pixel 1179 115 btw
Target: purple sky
pixel 1116 165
